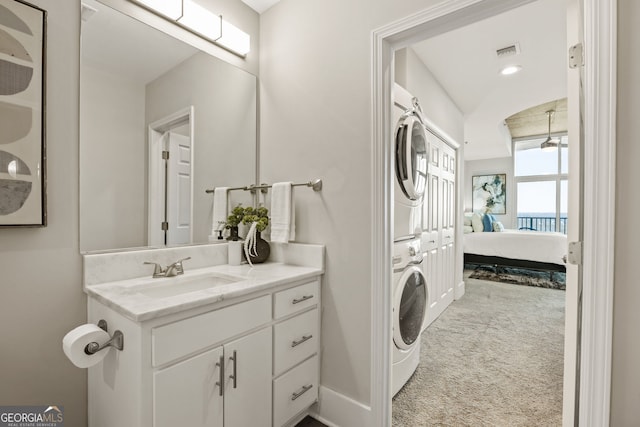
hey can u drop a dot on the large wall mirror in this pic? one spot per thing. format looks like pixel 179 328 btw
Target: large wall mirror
pixel 160 123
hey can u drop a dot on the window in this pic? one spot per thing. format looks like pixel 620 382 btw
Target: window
pixel 541 185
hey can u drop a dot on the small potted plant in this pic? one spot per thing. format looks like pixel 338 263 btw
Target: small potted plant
pixel 233 221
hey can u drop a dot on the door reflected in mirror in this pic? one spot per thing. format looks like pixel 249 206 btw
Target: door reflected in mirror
pixel 143 93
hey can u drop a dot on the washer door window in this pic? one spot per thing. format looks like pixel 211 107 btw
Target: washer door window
pixel 409 307
pixel 411 156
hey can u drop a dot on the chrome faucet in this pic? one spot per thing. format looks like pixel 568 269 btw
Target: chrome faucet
pixel 176 268
pixel 171 270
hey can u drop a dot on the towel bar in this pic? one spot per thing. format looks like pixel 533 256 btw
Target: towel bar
pixel 316 184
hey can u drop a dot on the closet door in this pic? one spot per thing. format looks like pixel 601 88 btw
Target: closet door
pixel 431 265
pixel 448 231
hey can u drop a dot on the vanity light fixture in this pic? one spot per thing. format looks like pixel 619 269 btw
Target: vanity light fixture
pixel 171 9
pixel 201 21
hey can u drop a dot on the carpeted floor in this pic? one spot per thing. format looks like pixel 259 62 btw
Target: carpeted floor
pixel 493 358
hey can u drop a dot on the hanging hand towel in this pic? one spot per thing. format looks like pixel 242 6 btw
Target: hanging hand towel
pixel 219 212
pixel 283 228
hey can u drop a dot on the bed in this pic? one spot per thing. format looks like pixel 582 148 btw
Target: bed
pixel 516 248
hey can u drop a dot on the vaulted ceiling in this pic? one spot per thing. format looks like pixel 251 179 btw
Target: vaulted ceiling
pixel 466 64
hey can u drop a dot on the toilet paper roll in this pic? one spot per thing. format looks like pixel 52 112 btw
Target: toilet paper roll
pixel 77 339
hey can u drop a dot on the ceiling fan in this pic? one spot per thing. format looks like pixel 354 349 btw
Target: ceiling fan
pixel 551 144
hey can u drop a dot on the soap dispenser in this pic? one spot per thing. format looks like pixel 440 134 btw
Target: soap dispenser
pixel 234 250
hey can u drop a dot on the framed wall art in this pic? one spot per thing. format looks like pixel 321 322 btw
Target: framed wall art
pixel 489 193
pixel 22 115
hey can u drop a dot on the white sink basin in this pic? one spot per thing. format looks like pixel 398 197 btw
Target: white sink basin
pixel 170 287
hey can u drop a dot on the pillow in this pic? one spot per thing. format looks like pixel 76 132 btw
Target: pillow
pixel 467 229
pixel 497 226
pixel 467 218
pixel 487 221
pixel 476 223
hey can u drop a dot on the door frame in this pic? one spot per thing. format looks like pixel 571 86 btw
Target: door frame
pixel 600 42
pixel 155 171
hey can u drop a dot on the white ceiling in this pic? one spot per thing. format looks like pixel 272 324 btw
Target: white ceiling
pixel 260 5
pixel 465 63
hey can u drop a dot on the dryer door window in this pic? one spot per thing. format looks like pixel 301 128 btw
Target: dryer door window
pixel 411 309
pixel 411 157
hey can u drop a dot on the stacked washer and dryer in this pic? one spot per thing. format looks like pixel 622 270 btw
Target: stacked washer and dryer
pixel 410 291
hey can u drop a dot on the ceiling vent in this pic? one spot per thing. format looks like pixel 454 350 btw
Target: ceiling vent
pixel 514 49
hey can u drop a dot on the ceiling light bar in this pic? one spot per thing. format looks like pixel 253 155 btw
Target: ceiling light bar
pixel 201 21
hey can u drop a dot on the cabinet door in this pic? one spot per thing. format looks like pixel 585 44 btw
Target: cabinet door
pixel 188 393
pixel 248 380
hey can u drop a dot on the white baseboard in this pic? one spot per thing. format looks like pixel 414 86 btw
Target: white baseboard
pixel 459 290
pixel 337 410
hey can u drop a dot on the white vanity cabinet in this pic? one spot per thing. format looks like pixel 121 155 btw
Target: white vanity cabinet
pixel 198 391
pixel 251 361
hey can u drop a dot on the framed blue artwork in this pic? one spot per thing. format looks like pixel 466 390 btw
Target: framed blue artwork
pixel 489 193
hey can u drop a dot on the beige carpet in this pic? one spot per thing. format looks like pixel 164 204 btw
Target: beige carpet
pixel 493 358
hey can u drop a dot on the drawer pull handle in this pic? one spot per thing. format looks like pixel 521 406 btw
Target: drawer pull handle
pixel 303 298
pixel 301 340
pixel 220 383
pixel 234 376
pixel 305 389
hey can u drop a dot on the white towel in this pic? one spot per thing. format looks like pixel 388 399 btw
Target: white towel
pixel 283 228
pixel 219 211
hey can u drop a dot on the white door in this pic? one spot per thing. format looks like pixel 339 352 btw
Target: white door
pixel 179 189
pixel 248 385
pixel 573 303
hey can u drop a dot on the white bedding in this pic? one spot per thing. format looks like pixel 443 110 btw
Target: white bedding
pixel 518 244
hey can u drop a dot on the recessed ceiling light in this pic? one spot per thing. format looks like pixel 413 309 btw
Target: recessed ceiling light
pixel 510 69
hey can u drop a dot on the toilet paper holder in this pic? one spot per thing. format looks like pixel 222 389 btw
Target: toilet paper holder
pixel 117 340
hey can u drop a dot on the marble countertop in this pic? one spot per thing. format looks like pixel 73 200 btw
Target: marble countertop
pixel 135 299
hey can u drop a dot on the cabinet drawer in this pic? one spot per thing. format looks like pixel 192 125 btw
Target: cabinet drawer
pixel 295 391
pixel 296 299
pixel 187 336
pixel 295 340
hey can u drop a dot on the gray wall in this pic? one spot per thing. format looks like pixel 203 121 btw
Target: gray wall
pixel 625 390
pixel 113 158
pixel 41 293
